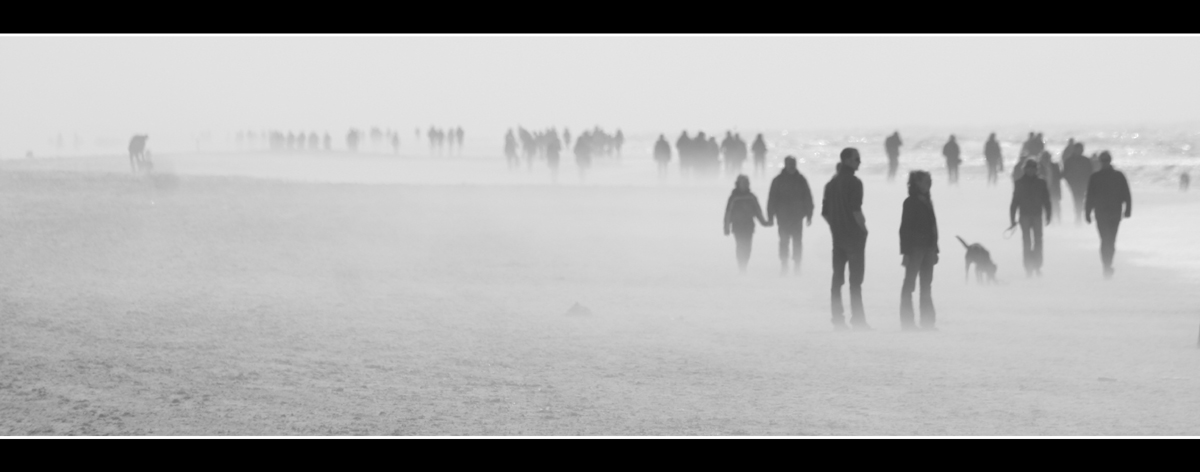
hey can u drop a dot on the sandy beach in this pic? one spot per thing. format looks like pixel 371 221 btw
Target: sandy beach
pixel 241 296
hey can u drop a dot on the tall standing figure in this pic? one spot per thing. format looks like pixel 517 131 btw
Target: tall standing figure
pixel 1051 172
pixel 842 209
pixel 759 148
pixel 1107 192
pixel 740 212
pixel 791 200
pixel 919 246
pixel 1032 198
pixel 662 156
pixel 892 146
pixel 951 152
pixel 995 161
pixel 1077 171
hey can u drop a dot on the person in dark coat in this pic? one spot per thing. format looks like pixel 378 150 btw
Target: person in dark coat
pixel 951 152
pixel 918 245
pixel 842 209
pixel 740 212
pixel 1107 192
pixel 1049 171
pixel 891 146
pixel 760 155
pixel 662 156
pixel 995 161
pixel 1032 198
pixel 1077 170
pixel 791 200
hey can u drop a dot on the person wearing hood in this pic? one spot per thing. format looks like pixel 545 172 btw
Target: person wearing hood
pixel 951 152
pixel 791 200
pixel 842 209
pixel 740 212
pixel 1107 193
pixel 1031 197
pixel 919 247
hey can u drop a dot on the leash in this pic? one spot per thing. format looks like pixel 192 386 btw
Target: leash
pixel 1010 231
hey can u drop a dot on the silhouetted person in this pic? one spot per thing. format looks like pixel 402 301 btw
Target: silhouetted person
pixel 1052 174
pixel 842 209
pixel 951 152
pixel 662 156
pixel 137 152
pixel 291 140
pixel 510 150
pixel 352 140
pixel 727 150
pixel 684 149
pixel 1107 192
pixel 740 212
pixel 583 154
pixel 619 140
pixel 314 141
pixel 791 200
pixel 458 138
pixel 567 137
pixel 1185 181
pixel 995 161
pixel 1032 198
pixel 892 146
pixel 759 148
pixel 396 143
pixel 919 246
pixel 553 146
pixel 1077 170
pixel 328 142
pixel 1026 149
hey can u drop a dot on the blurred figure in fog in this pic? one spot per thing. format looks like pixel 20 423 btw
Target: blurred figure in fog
pixel 951 152
pixel 1185 181
pixel 1050 171
pixel 919 246
pixel 352 140
pixel 684 149
pixel 618 141
pixel 583 154
pixel 791 199
pixel 740 212
pixel 510 150
pixel 328 142
pixel 567 136
pixel 995 162
pixel 892 146
pixel 760 155
pixel 1077 170
pixel 396 143
pixel 842 209
pixel 1107 192
pixel 662 156
pixel 553 146
pixel 1031 197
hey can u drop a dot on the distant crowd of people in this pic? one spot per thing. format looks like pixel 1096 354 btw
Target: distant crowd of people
pixel 443 141
pixel 547 145
pixel 440 141
pixel 701 156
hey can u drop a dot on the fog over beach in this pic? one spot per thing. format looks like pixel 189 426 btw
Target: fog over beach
pixel 236 287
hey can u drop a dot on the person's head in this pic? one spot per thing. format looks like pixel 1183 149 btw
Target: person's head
pixel 1079 148
pixel 850 158
pixel 1045 157
pixel 919 181
pixel 952 137
pixel 789 164
pixel 1031 167
pixel 992 136
pixel 742 183
pixel 1106 158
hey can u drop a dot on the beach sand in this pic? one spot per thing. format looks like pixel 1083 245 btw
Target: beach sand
pixel 202 302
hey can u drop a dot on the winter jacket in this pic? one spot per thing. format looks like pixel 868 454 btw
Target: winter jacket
pixel 741 210
pixel 918 225
pixel 790 198
pixel 843 197
pixel 1031 196
pixel 1107 190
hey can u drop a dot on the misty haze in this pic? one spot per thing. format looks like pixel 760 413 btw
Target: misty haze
pixel 590 235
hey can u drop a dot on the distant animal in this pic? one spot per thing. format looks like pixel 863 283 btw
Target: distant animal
pixel 976 254
pixel 137 152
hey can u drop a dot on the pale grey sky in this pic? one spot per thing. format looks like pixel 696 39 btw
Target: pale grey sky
pixel 122 84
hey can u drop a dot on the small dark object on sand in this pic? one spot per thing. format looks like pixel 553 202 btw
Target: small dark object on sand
pixel 1106 379
pixel 578 310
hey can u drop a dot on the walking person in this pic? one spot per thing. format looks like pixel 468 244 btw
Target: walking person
pixel 995 161
pixel 951 152
pixel 1052 174
pixel 1077 170
pixel 891 145
pixel 1107 192
pixel 842 209
pixel 740 212
pixel 759 148
pixel 662 156
pixel 1032 198
pixel 918 245
pixel 791 200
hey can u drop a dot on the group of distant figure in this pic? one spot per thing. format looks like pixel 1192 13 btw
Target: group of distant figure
pixel 444 141
pixel 701 156
pixel 547 145
pixel 1099 190
pixel 440 141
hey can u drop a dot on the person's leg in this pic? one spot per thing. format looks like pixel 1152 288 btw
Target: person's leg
pixel 784 237
pixel 928 314
pixel 840 258
pixel 743 249
pixel 1107 227
pixel 1037 245
pixel 906 291
pixel 857 264
pixel 797 245
pixel 1027 246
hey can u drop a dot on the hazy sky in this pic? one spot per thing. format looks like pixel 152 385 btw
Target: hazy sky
pixel 122 84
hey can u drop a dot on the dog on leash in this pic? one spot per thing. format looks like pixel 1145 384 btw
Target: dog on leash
pixel 979 256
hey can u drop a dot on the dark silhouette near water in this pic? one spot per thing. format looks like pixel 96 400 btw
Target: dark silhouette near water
pixel 791 200
pixel 842 209
pixel 759 148
pixel 951 153
pixel 1185 181
pixel 993 158
pixel 352 139
pixel 662 156
pixel 891 145
pixel 1051 172
pixel 1031 197
pixel 741 210
pixel 138 158
pixel 1107 192
pixel 919 247
pixel 1077 170
pixel 618 141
